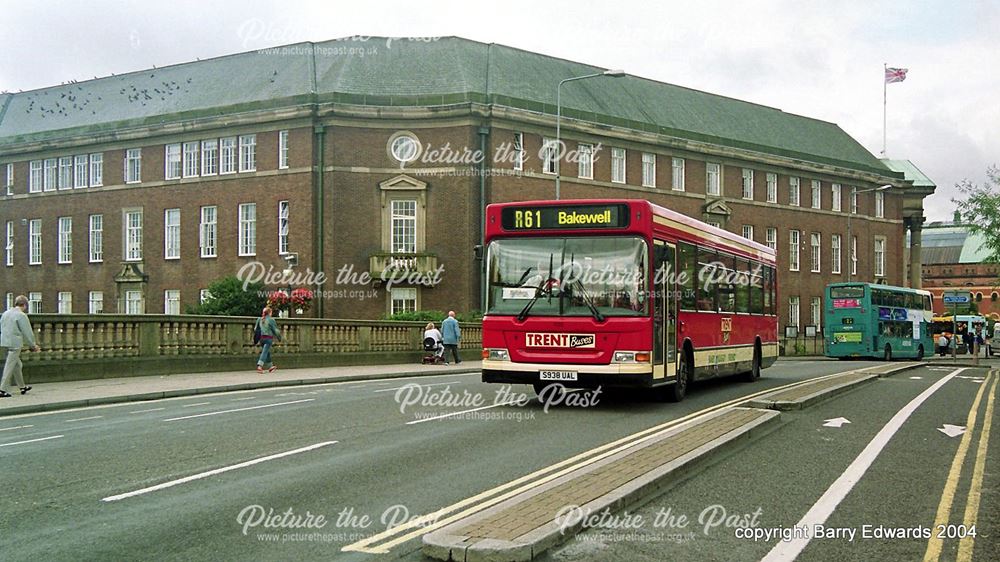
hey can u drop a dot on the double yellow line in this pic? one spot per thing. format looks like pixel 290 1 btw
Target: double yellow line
pixel 383 542
pixel 966 543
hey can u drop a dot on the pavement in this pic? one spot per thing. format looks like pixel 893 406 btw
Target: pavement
pixel 79 394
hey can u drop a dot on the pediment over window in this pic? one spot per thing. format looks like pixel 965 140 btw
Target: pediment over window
pixel 403 182
pixel 718 207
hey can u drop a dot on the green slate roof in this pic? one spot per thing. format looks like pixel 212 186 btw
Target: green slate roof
pixel 910 172
pixel 449 70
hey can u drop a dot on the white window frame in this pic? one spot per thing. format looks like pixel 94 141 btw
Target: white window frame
pixel 35 176
pixel 227 155
pixel 748 231
pixel 208 234
pixel 35 242
pixel 9 179
pixel 203 295
pixel 96 237
pixel 134 302
pixel 10 301
pixel 50 174
pixel 854 255
pixel 132 234
pixel 65 241
pixel 816 243
pixel 879 245
pixel 713 179
pixel 677 174
pixel 80 171
pixel 65 172
pixel 748 184
pixel 772 187
pixel 210 157
pixel 794 192
pixel 172 302
pixel 518 151
pixel 172 163
pixel 794 249
pixel 95 302
pixel 835 248
pixel 172 234
pixel 816 310
pixel 879 205
pixel 619 159
pixel 648 169
pixel 248 153
pixel 771 238
pixel 549 155
pixel 35 302
pixel 283 150
pixel 9 245
pixel 97 169
pixel 854 201
pixel 793 312
pixel 133 165
pixel 403 226
pixel 284 219
pixel 403 295
pixel 64 302
pixel 585 163
pixel 247 234
pixel 817 194
pixel 191 159
pixel 836 194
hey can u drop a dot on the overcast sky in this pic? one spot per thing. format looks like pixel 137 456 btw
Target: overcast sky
pixel 818 59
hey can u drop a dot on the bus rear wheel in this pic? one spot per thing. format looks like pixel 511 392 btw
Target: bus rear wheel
pixel 920 353
pixel 754 372
pixel 888 352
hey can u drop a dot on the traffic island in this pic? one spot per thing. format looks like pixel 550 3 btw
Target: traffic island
pixel 528 524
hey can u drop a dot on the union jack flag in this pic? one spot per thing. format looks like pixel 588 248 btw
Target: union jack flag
pixel 895 75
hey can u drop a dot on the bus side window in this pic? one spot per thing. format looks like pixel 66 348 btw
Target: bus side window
pixel 687 271
pixel 707 263
pixel 757 288
pixel 742 285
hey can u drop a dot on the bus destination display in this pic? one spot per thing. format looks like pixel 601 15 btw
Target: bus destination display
pixel 555 218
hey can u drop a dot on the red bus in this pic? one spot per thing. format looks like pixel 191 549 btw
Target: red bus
pixel 622 293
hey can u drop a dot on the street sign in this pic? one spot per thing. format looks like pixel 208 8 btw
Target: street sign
pixel 956 297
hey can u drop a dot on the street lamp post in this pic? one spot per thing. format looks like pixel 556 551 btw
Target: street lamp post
pixel 850 211
pixel 611 73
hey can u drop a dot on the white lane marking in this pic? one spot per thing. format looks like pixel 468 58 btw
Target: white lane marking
pixel 399 387
pixel 214 472
pixel 828 502
pixel 462 412
pixel 247 398
pixel 240 410
pixel 84 419
pixel 18 427
pixel 193 405
pixel 149 410
pixel 30 441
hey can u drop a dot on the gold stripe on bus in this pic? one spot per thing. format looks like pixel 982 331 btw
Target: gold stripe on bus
pixel 714 238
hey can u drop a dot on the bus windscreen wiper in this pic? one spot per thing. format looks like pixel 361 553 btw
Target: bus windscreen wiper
pixel 538 293
pixel 588 300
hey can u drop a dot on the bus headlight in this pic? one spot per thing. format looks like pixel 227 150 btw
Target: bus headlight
pixel 630 357
pixel 498 354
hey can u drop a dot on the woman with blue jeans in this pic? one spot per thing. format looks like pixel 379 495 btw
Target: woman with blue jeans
pixel 268 333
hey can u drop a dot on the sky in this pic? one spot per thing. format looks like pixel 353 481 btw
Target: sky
pixel 819 59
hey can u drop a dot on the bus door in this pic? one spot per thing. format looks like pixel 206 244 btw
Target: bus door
pixel 664 311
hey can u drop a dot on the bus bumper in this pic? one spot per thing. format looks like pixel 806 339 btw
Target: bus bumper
pixel 630 375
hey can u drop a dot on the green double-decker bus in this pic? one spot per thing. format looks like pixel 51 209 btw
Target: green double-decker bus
pixel 870 320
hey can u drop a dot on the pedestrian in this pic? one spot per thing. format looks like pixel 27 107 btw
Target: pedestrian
pixel 268 333
pixel 433 333
pixel 943 345
pixel 451 335
pixel 15 333
pixel 968 339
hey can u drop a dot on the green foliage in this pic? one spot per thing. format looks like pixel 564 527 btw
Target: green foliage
pixel 980 209
pixel 435 316
pixel 228 298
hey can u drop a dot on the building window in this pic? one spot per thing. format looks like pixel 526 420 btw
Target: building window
pixel 793 192
pixel 172 162
pixel 879 257
pixel 815 239
pixel 248 229
pixel 133 165
pixel 35 176
pixel 96 170
pixel 854 255
pixel 133 235
pixel 817 194
pixel 282 149
pixel 66 172
pixel 748 231
pixel 203 296
pixel 35 242
pixel 518 151
pixel 648 169
pixel 9 244
pixel 835 252
pixel 172 234
pixel 172 301
pixel 10 301
pixel 133 302
pixel 96 238
pixel 835 196
pixel 854 201
pixel 879 205
pixel 793 250
pixel 248 153
pixel 677 176
pixel 404 226
pixel 207 238
pixel 80 171
pixel 9 179
pixel 549 155
pixel 772 188
pixel 771 238
pixel 618 165
pixel 585 164
pixel 404 299
pixel 713 179
pixel 64 302
pixel 747 184
pixel 228 155
pixel 283 227
pixel 793 311
pixel 816 307
pixel 209 157
pixel 49 177
pixel 65 239
pixel 191 159
pixel 34 303
pixel 95 302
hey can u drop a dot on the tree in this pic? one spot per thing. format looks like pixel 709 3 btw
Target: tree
pixel 980 209
pixel 227 297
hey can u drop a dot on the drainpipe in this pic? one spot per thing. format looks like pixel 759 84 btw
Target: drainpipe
pixel 320 132
pixel 484 132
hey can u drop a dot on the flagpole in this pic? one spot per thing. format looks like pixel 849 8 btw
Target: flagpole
pixel 885 67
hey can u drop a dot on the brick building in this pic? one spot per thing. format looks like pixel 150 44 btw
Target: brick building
pixel 954 259
pixel 133 192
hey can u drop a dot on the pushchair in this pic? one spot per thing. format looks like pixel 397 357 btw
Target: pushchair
pixel 433 352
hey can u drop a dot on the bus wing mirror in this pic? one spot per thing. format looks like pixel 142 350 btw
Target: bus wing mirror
pixel 477 250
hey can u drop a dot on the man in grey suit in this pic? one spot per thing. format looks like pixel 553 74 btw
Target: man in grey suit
pixel 15 333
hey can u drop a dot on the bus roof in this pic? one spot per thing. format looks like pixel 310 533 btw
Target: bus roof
pixel 879 286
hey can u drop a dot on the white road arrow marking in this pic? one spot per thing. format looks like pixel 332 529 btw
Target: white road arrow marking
pixel 836 422
pixel 952 430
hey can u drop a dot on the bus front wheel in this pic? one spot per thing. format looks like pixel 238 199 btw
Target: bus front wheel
pixel 677 391
pixel 754 372
pixel 888 352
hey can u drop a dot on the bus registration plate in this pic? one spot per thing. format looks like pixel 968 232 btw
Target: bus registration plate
pixel 557 375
